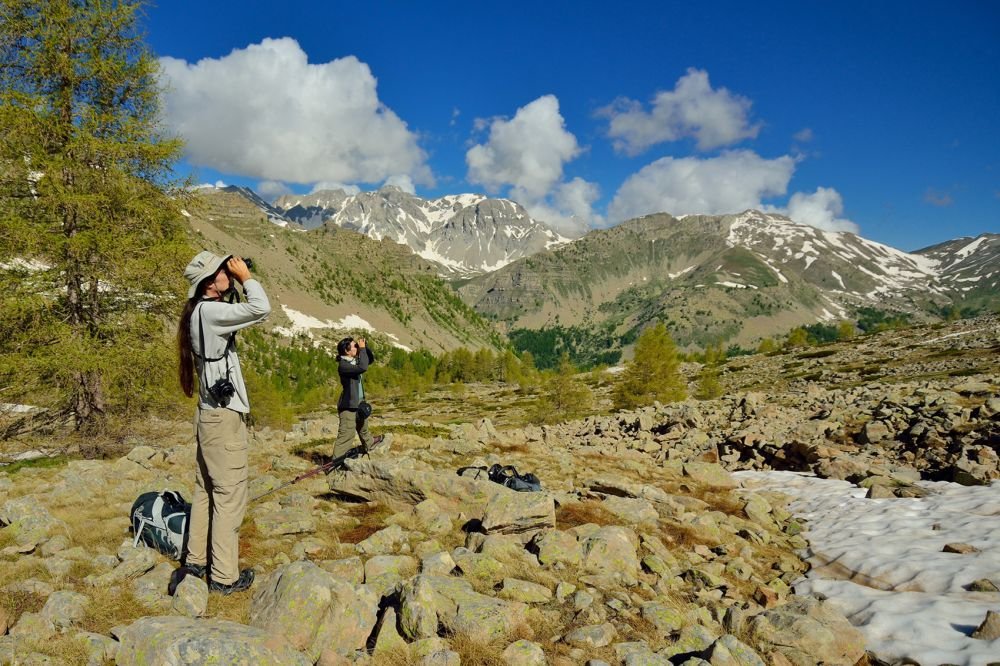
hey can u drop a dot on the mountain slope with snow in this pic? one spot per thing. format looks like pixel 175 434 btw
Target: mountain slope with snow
pixel 721 278
pixel 465 234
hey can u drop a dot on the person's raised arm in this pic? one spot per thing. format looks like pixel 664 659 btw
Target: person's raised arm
pixel 226 318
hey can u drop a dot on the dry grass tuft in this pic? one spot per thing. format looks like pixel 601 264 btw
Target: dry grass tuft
pixel 473 651
pixel 16 603
pixel 100 525
pixel 109 608
pixel 581 513
pixel 399 656
pixel 508 449
pixel 371 517
pixel 66 649
pixel 234 607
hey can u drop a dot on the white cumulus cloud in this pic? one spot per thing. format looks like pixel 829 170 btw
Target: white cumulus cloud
pixel 334 185
pixel 272 189
pixel 266 112
pixel 729 183
pixel 713 118
pixel 569 209
pixel 821 209
pixel 526 152
pixel 403 182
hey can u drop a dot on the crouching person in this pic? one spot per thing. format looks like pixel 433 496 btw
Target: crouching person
pixel 206 339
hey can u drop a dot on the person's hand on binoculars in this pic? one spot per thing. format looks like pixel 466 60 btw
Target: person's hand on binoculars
pixel 238 269
pixel 361 343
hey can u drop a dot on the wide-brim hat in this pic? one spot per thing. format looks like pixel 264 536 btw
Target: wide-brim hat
pixel 204 265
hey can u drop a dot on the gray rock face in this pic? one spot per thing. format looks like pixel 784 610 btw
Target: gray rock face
pixel 611 551
pixel 808 629
pixel 465 234
pixel 182 641
pixel 511 512
pixel 430 602
pixel 191 597
pixel 312 610
pixel 31 524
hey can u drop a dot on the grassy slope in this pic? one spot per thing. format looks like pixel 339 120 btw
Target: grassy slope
pixel 330 274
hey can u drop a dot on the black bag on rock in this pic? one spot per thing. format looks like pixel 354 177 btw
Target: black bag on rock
pixel 507 475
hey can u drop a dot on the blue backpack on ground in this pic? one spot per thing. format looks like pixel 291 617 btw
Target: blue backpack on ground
pixel 160 521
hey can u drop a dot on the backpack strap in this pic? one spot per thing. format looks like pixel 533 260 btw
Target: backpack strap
pixel 201 342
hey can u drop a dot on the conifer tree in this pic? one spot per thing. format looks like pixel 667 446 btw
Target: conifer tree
pixel 564 396
pixel 653 374
pixel 709 385
pixel 90 245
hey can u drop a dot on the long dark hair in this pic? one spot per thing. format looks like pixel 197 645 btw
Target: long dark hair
pixel 185 365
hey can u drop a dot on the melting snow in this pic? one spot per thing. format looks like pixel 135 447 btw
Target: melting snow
pixel 674 276
pixel 880 562
pixel 970 248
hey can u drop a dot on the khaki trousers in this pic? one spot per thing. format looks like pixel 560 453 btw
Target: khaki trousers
pixel 220 493
pixel 351 423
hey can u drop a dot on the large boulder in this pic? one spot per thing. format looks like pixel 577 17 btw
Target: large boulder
pixel 183 641
pixel 314 611
pixel 511 512
pixel 809 631
pixel 30 523
pixel 401 483
pixel 610 551
pixel 555 546
pixel 429 603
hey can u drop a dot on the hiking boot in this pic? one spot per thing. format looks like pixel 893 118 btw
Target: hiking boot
pixel 182 572
pixel 242 583
pixel 379 444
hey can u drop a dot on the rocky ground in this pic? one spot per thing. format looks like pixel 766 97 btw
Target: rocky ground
pixel 642 549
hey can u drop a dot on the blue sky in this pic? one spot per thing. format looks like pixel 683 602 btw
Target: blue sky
pixel 877 117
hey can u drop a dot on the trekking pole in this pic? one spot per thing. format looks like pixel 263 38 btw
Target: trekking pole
pixel 326 469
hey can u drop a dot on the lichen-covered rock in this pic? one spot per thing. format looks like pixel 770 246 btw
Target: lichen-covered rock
pixel 525 591
pixel 809 629
pixel 383 572
pixel 100 649
pixel 429 602
pixel 388 637
pixel 191 597
pixel 404 482
pixel 440 563
pixel 313 610
pixel 631 511
pixel 729 651
pixel 386 540
pixel 30 523
pixel 610 550
pixel 65 608
pixel 512 512
pixel 709 474
pixel 591 636
pixel 523 653
pixel 183 641
pixel 134 561
pixel 555 546
pixel 284 521
pixel 665 618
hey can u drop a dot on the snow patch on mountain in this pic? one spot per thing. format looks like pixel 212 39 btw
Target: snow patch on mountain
pixel 464 234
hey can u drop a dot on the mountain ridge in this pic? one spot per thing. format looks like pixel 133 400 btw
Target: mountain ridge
pixel 464 234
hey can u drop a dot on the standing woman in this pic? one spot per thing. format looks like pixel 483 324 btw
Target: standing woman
pixel 353 357
pixel 206 338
